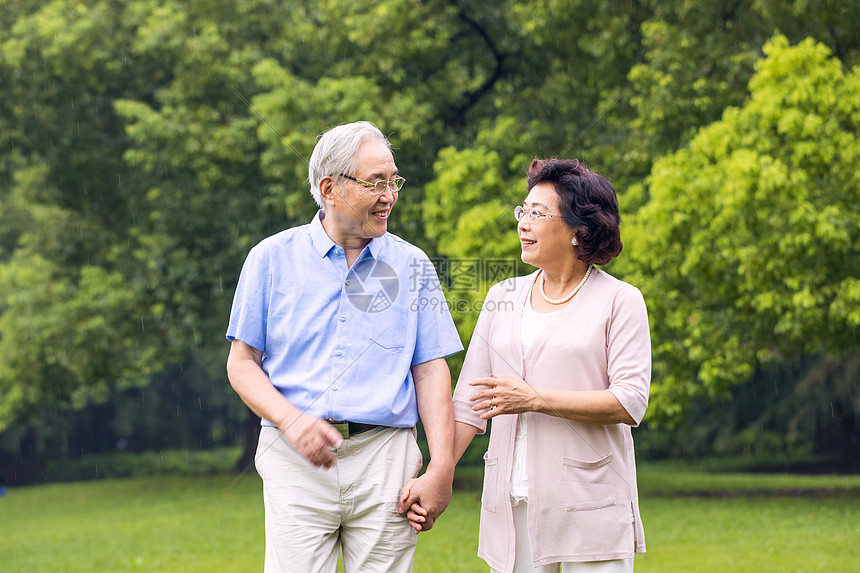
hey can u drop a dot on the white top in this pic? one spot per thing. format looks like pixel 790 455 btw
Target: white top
pixel 533 323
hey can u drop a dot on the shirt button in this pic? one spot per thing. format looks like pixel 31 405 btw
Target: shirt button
pixel 347 282
pixel 343 319
pixel 334 387
pixel 339 353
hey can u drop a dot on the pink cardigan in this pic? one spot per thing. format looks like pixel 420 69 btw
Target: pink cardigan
pixel 583 501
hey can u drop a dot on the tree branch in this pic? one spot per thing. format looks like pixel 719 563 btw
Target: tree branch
pixel 457 116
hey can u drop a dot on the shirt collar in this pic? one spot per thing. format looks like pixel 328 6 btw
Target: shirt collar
pixel 323 243
pixel 374 246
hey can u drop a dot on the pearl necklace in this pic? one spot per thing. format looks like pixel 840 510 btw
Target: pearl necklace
pixel 572 293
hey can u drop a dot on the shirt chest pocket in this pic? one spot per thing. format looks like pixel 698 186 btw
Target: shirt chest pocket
pixel 391 338
pixel 388 329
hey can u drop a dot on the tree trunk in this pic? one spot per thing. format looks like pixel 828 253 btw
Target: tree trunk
pixel 251 432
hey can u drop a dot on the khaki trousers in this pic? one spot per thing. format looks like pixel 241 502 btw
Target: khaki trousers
pixel 312 513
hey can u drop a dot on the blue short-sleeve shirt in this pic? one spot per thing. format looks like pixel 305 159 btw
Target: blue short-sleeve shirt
pixel 339 342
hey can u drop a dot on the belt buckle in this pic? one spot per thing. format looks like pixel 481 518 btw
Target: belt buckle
pixel 342 427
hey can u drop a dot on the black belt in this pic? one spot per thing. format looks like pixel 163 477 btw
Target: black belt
pixel 350 429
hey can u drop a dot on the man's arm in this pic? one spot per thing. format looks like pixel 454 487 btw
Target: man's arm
pixel 433 391
pixel 311 436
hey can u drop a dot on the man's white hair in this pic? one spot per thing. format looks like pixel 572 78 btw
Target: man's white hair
pixel 335 152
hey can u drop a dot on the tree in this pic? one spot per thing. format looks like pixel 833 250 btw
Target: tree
pixel 747 249
pixel 730 297
pixel 696 59
pixel 146 145
pixel 74 326
pixel 159 141
pixel 798 415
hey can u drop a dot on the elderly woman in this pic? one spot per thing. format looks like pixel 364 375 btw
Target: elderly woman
pixel 560 360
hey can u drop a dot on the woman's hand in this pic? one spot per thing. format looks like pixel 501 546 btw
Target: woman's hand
pixel 416 514
pixel 503 395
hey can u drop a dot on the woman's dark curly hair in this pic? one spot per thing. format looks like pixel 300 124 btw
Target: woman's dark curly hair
pixel 588 205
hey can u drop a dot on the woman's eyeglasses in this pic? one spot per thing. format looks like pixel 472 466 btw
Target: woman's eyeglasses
pixel 530 215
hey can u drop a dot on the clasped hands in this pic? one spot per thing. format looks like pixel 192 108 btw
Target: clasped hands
pixel 427 496
pixel 500 395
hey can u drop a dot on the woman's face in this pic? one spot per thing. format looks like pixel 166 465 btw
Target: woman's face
pixel 547 241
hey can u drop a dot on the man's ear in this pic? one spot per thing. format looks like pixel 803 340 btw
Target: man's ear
pixel 327 190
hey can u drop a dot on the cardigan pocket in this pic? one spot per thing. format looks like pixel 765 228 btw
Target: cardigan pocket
pixel 491 483
pixel 588 485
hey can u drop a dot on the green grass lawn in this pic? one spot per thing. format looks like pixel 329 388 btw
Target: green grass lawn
pixel 184 524
pixel 209 524
pixel 751 534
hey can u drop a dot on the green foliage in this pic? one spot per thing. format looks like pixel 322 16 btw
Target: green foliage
pixel 695 59
pixel 73 342
pixel 746 251
pixel 687 77
pixel 794 416
pixel 719 477
pixel 144 464
pixel 468 209
pixel 145 146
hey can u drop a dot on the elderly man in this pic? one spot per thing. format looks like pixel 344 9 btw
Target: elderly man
pixel 339 335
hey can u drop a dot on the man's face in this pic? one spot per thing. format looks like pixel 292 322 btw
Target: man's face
pixel 357 210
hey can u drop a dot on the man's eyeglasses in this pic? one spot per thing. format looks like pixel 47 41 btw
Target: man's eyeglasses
pixel 395 184
pixel 530 215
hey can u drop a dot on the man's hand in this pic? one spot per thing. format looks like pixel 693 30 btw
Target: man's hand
pixel 314 439
pixel 423 499
pixel 311 436
pixel 427 497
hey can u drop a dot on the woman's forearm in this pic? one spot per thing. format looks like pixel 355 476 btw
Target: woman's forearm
pixel 463 434
pixel 590 406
